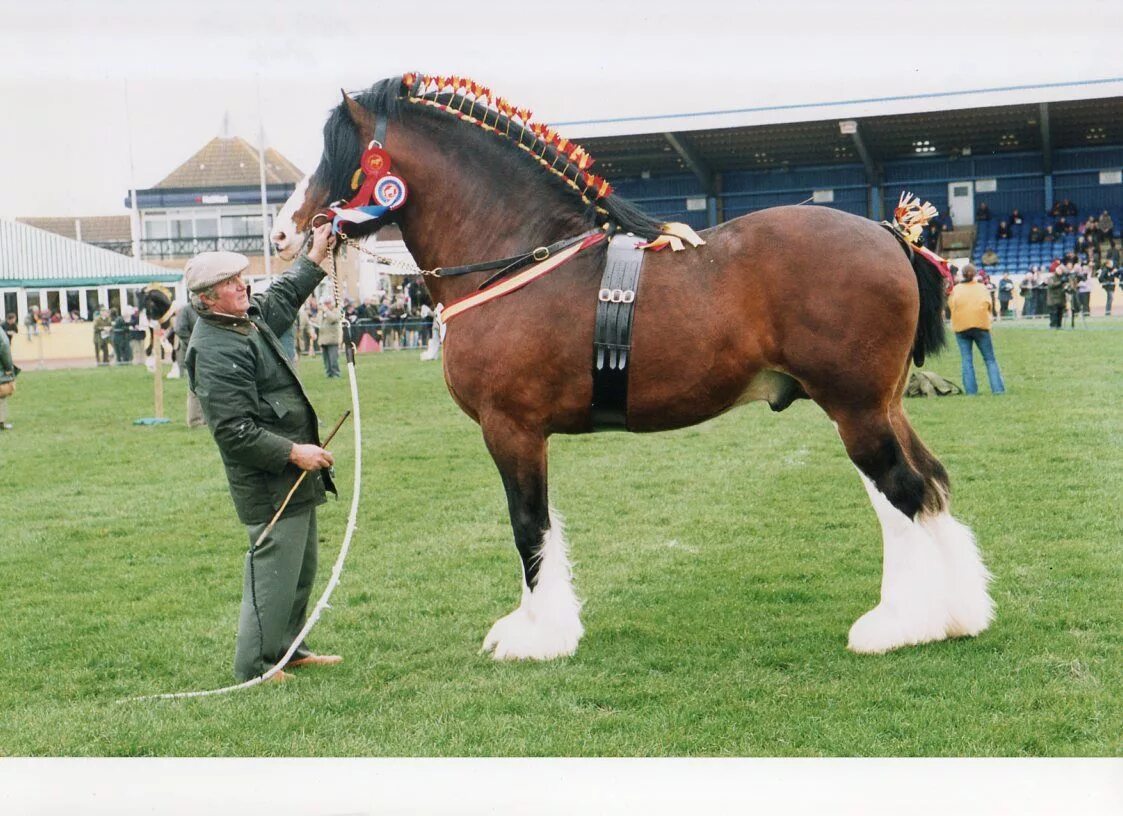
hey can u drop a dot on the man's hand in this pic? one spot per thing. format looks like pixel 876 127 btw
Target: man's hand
pixel 322 241
pixel 310 457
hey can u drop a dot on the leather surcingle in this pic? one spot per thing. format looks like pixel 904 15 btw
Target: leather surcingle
pixel 612 341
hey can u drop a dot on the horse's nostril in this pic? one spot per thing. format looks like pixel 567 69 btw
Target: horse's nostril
pixel 279 237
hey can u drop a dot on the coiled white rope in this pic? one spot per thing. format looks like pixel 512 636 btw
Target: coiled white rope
pixel 336 570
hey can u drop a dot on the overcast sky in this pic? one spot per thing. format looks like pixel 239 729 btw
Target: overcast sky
pixel 64 144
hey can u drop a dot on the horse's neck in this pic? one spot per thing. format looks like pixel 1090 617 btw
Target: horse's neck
pixel 457 215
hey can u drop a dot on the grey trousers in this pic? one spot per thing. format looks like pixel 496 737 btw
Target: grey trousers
pixel 194 411
pixel 275 591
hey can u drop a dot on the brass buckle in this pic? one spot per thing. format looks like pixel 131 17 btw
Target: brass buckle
pixel 541 253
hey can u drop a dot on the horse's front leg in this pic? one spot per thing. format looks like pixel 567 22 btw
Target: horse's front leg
pixel 547 623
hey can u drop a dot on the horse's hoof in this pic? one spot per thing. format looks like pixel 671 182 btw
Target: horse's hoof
pixel 884 629
pixel 520 637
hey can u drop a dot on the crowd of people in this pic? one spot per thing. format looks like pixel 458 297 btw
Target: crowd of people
pixel 396 320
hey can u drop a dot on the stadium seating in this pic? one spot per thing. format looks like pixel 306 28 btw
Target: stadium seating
pixel 1016 254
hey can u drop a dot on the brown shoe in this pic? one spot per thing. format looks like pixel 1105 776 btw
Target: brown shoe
pixel 314 660
pixel 280 677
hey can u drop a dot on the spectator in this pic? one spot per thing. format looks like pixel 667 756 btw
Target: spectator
pixel 1108 277
pixel 990 257
pixel 1090 228
pixel 31 322
pixel 1041 292
pixel 350 312
pixel 1068 208
pixel 1061 226
pixel 304 332
pixel 11 326
pixel 1005 295
pixel 1107 228
pixel 1035 234
pixel 982 212
pixel 120 338
pixel 330 332
pixel 1003 230
pixel 1025 289
pixel 970 320
pixel 1049 235
pixel 103 329
pixel 314 320
pixel 1055 297
pixel 185 319
pixel 1084 291
pixel 1016 217
pixel 8 374
pixel 136 336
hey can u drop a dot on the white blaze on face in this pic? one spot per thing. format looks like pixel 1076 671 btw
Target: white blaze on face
pixel 285 237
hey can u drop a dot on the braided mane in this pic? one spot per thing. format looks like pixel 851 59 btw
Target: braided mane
pixel 468 101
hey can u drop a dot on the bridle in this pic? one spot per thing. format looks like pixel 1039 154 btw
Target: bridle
pixel 380 193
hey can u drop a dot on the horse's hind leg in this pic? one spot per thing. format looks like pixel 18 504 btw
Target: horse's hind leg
pixel 970 607
pixel 926 569
pixel 547 623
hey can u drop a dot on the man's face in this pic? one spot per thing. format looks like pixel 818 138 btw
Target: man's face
pixel 232 296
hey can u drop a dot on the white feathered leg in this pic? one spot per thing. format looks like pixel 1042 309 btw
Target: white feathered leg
pixel 547 623
pixel 933 585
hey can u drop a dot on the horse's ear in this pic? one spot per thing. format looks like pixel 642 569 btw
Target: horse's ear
pixel 357 113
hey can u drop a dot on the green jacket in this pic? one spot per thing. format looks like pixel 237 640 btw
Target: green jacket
pixel 1055 296
pixel 253 401
pixel 8 369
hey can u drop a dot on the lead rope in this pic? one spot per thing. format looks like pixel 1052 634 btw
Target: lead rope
pixel 337 568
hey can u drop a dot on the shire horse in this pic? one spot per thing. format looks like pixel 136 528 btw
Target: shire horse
pixel 786 303
pixel 157 303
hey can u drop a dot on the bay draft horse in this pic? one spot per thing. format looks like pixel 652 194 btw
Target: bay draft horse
pixel 790 302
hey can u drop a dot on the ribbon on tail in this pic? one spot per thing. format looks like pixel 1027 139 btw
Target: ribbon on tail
pixel 674 234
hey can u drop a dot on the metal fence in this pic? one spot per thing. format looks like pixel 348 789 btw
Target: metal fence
pixel 392 333
pixel 165 248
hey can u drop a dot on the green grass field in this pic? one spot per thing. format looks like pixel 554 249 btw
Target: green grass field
pixel 721 566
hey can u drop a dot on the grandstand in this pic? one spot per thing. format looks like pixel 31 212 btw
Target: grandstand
pixel 1012 156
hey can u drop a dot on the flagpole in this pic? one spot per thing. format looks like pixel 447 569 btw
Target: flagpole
pixel 134 216
pixel 264 197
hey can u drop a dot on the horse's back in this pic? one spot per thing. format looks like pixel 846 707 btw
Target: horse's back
pixel 814 293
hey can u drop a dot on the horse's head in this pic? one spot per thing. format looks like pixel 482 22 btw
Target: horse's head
pixel 348 130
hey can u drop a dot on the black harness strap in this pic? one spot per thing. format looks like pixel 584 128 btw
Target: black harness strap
pixel 612 341
pixel 514 263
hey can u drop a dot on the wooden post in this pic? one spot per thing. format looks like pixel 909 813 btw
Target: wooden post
pixel 158 357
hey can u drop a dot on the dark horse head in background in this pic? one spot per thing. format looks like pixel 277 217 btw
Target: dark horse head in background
pixel 786 303
pixel 157 302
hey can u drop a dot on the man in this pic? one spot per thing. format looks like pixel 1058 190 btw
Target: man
pixel 266 432
pixel 1108 275
pixel 1005 295
pixel 103 328
pixel 330 333
pixel 184 325
pixel 8 373
pixel 971 310
pixel 1055 297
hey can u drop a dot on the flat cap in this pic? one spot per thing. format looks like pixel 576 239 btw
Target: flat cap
pixel 208 268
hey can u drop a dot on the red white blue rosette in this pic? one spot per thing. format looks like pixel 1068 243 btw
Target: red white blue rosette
pixel 390 191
